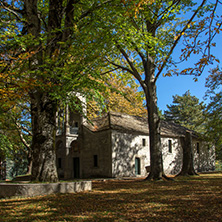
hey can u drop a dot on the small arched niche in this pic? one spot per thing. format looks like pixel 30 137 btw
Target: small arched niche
pixel 74 145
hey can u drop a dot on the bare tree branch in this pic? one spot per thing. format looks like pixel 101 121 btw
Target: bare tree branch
pixel 104 73
pixel 19 127
pixel 14 11
pixel 133 69
pixel 119 66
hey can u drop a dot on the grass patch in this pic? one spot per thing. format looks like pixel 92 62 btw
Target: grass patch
pixel 197 198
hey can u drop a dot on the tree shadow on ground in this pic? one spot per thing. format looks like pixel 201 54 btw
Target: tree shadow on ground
pixel 125 200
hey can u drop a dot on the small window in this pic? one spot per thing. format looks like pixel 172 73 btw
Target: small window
pixel 74 145
pixel 95 160
pixel 60 163
pixel 144 142
pixel 170 146
pixel 198 148
pixel 137 166
pixel 74 128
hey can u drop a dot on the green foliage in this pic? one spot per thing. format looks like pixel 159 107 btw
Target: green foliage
pixel 51 48
pixel 5 147
pixel 139 37
pixel 218 165
pixel 60 69
pixel 15 139
pixel 151 30
pixel 187 111
pixel 17 165
pixel 45 56
pixel 214 109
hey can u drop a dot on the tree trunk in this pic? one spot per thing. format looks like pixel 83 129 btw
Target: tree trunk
pixel 30 161
pixel 187 167
pixel 156 162
pixel 43 111
pixel 43 107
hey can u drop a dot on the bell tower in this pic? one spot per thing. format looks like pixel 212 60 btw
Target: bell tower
pixel 70 119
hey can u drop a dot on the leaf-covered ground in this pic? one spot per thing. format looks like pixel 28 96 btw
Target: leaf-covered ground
pixel 196 198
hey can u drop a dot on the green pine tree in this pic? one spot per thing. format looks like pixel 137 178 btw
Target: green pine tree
pixel 214 109
pixel 187 111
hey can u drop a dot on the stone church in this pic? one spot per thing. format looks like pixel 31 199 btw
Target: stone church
pixel 117 145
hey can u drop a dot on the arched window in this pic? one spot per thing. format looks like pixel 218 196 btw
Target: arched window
pixel 75 146
pixel 74 117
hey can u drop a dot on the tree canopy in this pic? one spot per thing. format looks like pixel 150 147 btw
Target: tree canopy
pixel 15 139
pixel 51 48
pixel 63 61
pixel 121 95
pixel 187 111
pixel 139 37
pixel 214 109
pixel 44 57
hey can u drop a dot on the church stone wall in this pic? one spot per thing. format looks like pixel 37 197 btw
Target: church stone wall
pixel 96 158
pixel 172 157
pixel 204 156
pixel 126 148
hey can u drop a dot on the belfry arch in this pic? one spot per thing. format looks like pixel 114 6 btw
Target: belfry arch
pixel 70 119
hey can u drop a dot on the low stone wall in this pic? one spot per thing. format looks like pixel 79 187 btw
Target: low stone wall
pixel 36 189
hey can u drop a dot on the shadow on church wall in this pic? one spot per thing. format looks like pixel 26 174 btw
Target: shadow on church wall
pixel 126 148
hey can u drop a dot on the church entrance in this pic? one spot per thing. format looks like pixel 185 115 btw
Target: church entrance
pixel 76 167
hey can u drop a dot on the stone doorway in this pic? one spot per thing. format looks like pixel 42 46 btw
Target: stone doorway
pixel 76 167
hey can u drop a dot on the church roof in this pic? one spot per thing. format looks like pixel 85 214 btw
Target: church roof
pixel 133 124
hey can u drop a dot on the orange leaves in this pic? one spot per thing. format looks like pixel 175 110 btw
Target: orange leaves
pixel 55 54
pixel 139 5
pixel 134 7
pixel 27 55
pixel 217 30
pixel 177 36
pixel 203 61
pixel 15 83
pixel 121 95
pixel 167 74
pixel 125 200
pixel 14 89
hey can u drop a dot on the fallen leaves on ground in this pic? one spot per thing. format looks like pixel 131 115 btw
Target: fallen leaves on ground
pixel 196 198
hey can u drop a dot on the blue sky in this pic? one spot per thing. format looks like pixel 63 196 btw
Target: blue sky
pixel 170 86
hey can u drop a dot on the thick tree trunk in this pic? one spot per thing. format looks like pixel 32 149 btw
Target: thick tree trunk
pixel 187 167
pixel 43 107
pixel 43 111
pixel 156 163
